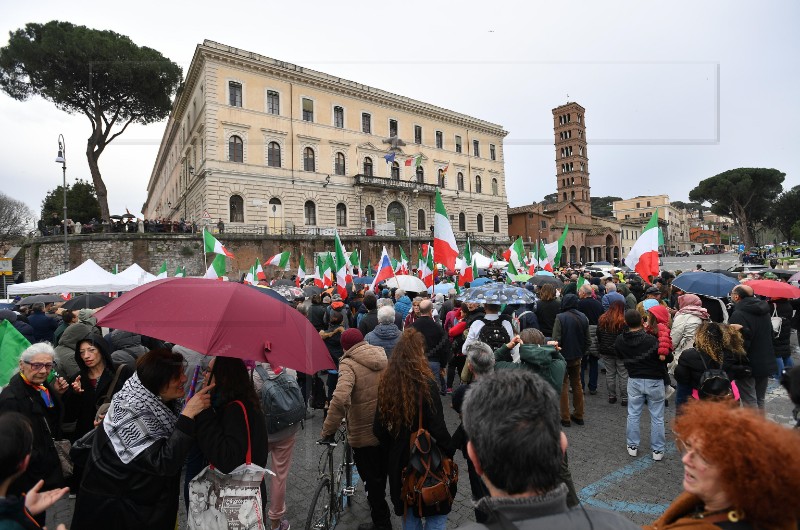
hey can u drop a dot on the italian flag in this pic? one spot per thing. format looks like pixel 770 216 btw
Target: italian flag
pixel 444 241
pixel 516 254
pixel 249 278
pixel 355 263
pixel 217 268
pixel 542 257
pixel 301 271
pixel 180 272
pixel 318 273
pixel 426 273
pixel 279 260
pixel 466 272
pixel 343 276
pixel 511 272
pixel 327 271
pixel 643 257
pixel 162 273
pixel 212 245
pixel 581 281
pixel 259 271
pixel 403 265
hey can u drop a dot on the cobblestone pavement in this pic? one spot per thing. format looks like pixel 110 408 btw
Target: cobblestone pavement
pixel 605 476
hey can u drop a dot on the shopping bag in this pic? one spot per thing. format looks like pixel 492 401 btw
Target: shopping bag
pixel 219 501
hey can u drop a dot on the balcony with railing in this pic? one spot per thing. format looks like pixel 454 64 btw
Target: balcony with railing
pixel 381 183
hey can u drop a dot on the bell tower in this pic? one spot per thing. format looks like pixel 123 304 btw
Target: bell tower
pixel 572 161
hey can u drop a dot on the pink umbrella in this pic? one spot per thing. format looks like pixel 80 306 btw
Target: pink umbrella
pixel 220 318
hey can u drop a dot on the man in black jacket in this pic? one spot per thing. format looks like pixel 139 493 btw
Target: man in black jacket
pixel 753 318
pixel 437 343
pixel 370 318
pixel 571 330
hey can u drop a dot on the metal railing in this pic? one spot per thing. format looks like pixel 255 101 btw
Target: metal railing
pixel 394 184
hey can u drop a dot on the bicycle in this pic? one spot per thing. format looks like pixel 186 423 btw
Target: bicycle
pixel 335 486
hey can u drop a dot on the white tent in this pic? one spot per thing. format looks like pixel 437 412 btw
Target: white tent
pixel 89 277
pixel 137 275
pixel 483 262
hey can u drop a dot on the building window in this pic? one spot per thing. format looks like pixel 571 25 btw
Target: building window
pixel 310 213
pixel 366 123
pixel 543 225
pixel 478 184
pixel 476 148
pixel 480 223
pixel 421 220
pixel 439 140
pixel 338 117
pixel 235 149
pixel 420 174
pixel 368 166
pixel 441 178
pixel 273 102
pixel 638 204
pixel 234 94
pixel 497 223
pixel 236 204
pixel 396 170
pixel 309 163
pixel 494 187
pixel 417 134
pixel 274 154
pixel 339 166
pixel 648 203
pixel 460 179
pixel 369 216
pixel 458 144
pixel 341 214
pixel 396 214
pixel 308 110
pixel 462 222
pixel 565 195
pixel 392 127
pixel 492 152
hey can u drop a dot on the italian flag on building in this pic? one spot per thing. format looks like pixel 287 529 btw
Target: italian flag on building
pixel 444 241
pixel 643 257
pixel 301 271
pixel 217 268
pixel 212 245
pixel 279 260
pixel 343 276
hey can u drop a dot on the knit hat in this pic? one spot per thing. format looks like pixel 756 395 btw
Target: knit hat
pixel 350 338
pixel 326 299
pixel 651 302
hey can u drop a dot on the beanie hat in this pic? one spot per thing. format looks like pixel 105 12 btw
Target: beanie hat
pixel 350 338
pixel 647 304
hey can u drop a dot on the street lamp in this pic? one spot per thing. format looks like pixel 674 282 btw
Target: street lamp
pixel 61 158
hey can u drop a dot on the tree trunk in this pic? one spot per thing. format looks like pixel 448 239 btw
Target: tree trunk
pixel 97 179
pixel 740 214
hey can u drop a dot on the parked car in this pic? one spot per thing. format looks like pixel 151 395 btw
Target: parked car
pixel 747 268
pixel 681 254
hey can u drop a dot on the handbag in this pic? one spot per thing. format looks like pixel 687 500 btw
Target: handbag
pixel 777 322
pixel 231 501
pixel 110 393
pixel 62 448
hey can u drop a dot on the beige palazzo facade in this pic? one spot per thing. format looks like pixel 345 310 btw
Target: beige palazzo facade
pixel 271 147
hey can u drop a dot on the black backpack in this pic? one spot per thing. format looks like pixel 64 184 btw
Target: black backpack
pixel 281 400
pixel 494 333
pixel 714 382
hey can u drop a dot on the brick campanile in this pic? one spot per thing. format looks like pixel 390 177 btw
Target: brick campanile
pixel 572 162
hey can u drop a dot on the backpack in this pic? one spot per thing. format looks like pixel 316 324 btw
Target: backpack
pixel 281 400
pixel 494 333
pixel 430 479
pixel 714 382
pixel 318 395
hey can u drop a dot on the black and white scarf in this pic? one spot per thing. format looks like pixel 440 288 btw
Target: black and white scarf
pixel 136 419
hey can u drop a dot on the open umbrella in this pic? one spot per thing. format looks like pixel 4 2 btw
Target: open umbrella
pixel 363 280
pixel 544 273
pixel 541 280
pixel 40 299
pixel 774 289
pixel 311 290
pixel 442 288
pixel 128 216
pixel 119 217
pixel 477 282
pixel 87 301
pixel 269 291
pixel 290 292
pixel 407 283
pixel 706 283
pixel 220 318
pixel 795 277
pixel 497 293
pixel 284 281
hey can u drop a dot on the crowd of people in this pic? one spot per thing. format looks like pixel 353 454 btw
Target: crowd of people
pixel 119 224
pixel 517 375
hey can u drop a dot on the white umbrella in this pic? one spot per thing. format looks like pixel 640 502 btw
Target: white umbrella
pixel 407 283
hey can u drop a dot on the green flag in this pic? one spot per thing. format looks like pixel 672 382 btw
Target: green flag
pixel 162 273
pixel 581 281
pixel 12 344
pixel 217 268
pixel 557 260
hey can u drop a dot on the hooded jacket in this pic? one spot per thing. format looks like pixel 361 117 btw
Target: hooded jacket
pixel 753 315
pixel 664 340
pixel 65 351
pixel 125 347
pixel 25 329
pixel 385 336
pixel 356 394
pixel 540 359
pixel 571 329
pixel 639 351
pixel 403 306
pixel 688 318
pixel 44 326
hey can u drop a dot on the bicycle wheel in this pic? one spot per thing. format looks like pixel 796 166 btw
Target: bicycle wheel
pixel 320 513
pixel 348 475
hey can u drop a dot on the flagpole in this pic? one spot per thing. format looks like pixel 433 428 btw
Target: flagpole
pixel 205 254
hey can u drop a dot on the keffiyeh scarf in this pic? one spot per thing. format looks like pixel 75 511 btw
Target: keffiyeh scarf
pixel 137 419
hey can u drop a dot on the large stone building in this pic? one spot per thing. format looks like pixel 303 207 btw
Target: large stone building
pixel 271 147
pixel 589 238
pixel 674 222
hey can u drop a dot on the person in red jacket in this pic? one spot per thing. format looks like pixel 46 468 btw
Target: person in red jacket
pixel 657 324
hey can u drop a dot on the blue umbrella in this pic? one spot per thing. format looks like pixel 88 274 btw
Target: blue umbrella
pixel 706 283
pixel 544 273
pixel 497 293
pixel 477 282
pixel 442 288
pixel 363 280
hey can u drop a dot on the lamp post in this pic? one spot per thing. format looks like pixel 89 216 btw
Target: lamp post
pixel 61 158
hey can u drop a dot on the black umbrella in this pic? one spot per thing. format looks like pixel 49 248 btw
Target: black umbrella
pixel 40 299
pixel 726 273
pixel 270 292
pixel 115 216
pixel 541 280
pixel 87 301
pixel 128 215
pixel 284 281
pixel 311 290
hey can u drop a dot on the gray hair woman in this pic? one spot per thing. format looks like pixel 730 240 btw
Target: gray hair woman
pixel 386 333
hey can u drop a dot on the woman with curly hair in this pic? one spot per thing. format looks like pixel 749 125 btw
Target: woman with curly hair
pixel 610 325
pixel 406 383
pixel 740 471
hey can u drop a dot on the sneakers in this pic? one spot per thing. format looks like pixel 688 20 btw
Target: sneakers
pixel 285 525
pixel 576 421
pixel 449 391
pixel 633 450
pixel 612 400
pixel 624 402
pixel 592 392
pixel 657 455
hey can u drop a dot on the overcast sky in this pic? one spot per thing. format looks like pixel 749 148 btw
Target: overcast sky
pixel 674 92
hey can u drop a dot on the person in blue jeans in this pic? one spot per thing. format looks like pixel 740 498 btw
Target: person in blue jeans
pixel 639 351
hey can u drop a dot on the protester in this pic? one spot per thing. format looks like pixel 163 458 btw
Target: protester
pixel 437 343
pixel 44 325
pixel 547 307
pixel 611 295
pixel 332 337
pixel 65 351
pixel 126 347
pixel 133 474
pixel 740 471
pixel 519 456
pixel 402 304
pixel 610 326
pixel 571 331
pixel 386 333
pixel 413 315
pixel 23 327
pixel 684 325
pixel 67 318
pixel 368 320
pixel 534 355
pixel 782 309
pixel 316 313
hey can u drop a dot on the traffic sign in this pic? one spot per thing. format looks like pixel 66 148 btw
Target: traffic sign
pixel 205 215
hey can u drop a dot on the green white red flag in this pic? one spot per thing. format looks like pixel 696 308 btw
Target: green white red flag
pixel 466 272
pixel 402 265
pixel 343 276
pixel 444 241
pixel 516 254
pixel 212 245
pixel 259 271
pixel 355 262
pixel 180 272
pixel 427 273
pixel 328 271
pixel 301 271
pixel 643 257
pixel 279 260
pixel 217 268
pixel 318 268
pixel 162 273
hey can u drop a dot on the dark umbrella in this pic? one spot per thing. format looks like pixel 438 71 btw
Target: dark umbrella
pixel 497 293
pixel 284 281
pixel 115 216
pixel 311 290
pixel 40 299
pixel 290 292
pixel 220 318
pixel 128 215
pixel 270 292
pixel 729 274
pixel 87 301
pixel 705 283
pixel 541 280
pixel 363 280
pixel 780 273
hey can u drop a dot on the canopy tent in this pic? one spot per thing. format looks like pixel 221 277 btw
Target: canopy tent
pixel 137 275
pixel 88 277
pixel 483 262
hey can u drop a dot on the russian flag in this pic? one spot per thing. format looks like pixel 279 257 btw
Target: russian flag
pixel 385 270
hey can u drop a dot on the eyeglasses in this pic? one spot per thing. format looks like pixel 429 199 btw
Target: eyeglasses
pixel 38 366
pixel 684 448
